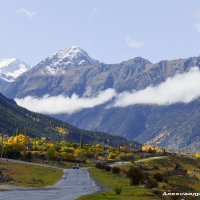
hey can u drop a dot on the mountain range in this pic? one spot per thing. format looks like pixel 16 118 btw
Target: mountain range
pixel 15 120
pixel 73 71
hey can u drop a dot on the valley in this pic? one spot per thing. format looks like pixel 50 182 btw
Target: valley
pixel 75 78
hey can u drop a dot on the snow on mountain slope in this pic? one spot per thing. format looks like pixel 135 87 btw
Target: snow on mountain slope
pixel 73 55
pixel 11 68
pixel 66 58
pixel 6 78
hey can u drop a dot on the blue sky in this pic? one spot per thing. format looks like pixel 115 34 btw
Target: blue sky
pixel 109 30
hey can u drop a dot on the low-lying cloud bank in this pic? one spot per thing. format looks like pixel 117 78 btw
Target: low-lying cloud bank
pixel 182 88
pixel 61 104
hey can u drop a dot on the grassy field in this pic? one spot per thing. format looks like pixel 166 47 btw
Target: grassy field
pixel 165 164
pixel 29 175
pixel 174 183
pixel 111 181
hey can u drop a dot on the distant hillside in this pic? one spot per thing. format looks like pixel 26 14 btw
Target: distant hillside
pixel 14 118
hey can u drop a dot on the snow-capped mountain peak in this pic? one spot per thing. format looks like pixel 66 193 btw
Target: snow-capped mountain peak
pixel 73 56
pixel 11 68
pixel 71 53
pixel 6 62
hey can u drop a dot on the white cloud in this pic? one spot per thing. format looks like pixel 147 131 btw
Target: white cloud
pixel 133 43
pixel 182 88
pixel 61 104
pixel 26 12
